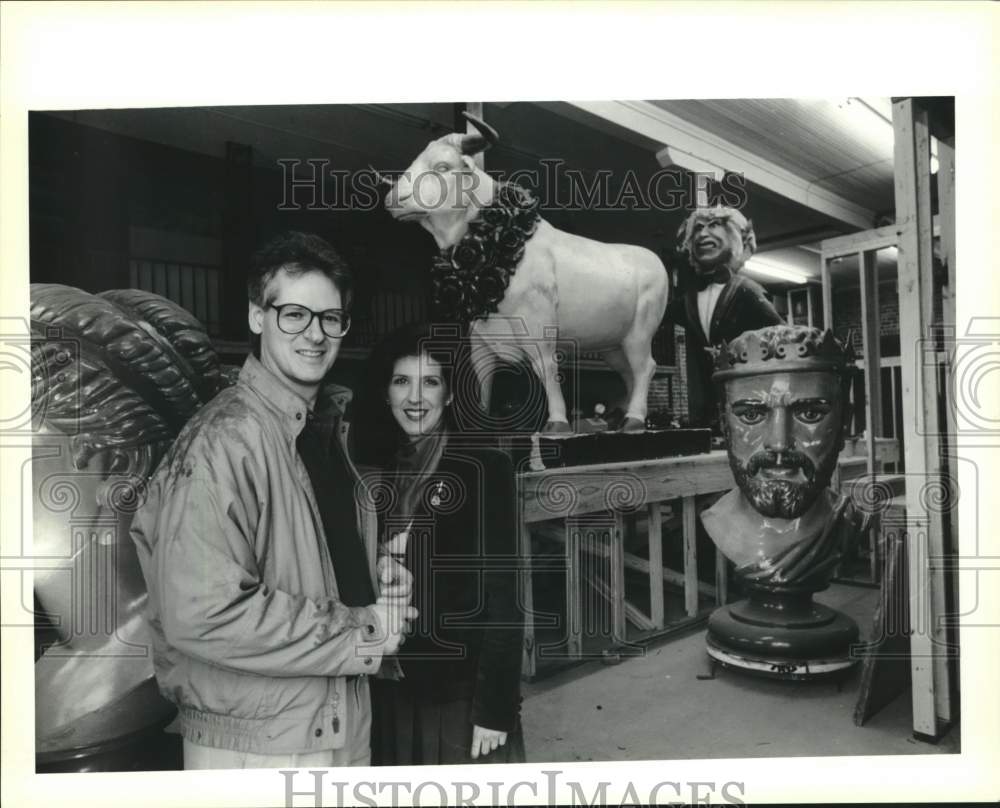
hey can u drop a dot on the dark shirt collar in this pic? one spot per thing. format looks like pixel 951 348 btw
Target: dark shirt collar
pixel 289 407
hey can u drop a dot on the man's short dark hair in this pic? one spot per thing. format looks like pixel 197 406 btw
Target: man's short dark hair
pixel 296 253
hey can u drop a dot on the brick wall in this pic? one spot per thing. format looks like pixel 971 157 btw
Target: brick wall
pixel 847 316
pixel 668 391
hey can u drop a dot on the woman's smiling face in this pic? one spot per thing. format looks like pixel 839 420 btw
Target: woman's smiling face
pixel 418 394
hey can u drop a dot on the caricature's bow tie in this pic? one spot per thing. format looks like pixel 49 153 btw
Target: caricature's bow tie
pixel 717 275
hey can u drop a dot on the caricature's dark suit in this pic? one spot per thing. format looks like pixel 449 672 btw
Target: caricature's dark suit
pixel 743 305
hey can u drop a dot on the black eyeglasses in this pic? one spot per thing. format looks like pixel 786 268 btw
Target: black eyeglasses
pixel 294 319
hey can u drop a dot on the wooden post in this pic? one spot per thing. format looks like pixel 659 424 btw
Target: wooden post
pixel 617 577
pixel 824 268
pixel 929 666
pixel 656 612
pixel 789 316
pixel 809 306
pixel 528 658
pixel 689 530
pixel 868 271
pixel 946 205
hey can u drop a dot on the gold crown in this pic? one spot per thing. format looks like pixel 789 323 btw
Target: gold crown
pixel 782 349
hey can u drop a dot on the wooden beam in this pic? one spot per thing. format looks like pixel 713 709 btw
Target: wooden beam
pixel 655 531
pixel 877 239
pixel 657 124
pixel 931 697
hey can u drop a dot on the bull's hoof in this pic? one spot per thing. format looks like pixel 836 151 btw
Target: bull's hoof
pixel 557 428
pixel 633 425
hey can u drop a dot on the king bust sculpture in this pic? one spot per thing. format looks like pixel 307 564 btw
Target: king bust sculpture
pixel 784 412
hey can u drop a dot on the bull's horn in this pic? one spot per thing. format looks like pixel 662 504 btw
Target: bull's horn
pixel 473 143
pixel 379 176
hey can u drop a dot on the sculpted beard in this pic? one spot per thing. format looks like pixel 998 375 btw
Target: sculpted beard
pixel 782 499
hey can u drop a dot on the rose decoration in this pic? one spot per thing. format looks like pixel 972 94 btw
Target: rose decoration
pixel 470 279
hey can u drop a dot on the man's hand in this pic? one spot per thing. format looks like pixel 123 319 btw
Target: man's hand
pixel 486 740
pixel 395 622
pixel 395 582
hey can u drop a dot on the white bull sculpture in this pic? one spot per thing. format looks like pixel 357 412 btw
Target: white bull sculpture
pixel 605 298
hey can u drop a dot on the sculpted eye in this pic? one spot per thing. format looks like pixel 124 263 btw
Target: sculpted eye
pixel 750 415
pixel 811 415
pixel 442 167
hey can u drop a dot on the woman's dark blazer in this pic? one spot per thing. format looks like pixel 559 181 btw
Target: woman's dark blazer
pixel 463 552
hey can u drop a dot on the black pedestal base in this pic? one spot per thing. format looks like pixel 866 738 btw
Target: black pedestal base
pixel 782 635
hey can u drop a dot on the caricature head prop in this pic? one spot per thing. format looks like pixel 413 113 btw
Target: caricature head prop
pixel 711 237
pixel 784 411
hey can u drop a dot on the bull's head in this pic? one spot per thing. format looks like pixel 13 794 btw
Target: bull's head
pixel 444 187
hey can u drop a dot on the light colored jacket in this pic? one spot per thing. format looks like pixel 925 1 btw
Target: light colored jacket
pixel 249 637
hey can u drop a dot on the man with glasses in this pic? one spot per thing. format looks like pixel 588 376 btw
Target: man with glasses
pixel 267 606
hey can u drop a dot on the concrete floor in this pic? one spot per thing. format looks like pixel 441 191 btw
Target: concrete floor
pixel 639 709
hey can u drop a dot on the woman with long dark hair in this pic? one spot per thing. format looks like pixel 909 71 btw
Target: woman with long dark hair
pixel 449 515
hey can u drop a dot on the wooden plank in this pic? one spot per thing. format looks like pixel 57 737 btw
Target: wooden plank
pixel 575 490
pixel 690 533
pixel 655 532
pixel 574 589
pixel 876 239
pixel 912 172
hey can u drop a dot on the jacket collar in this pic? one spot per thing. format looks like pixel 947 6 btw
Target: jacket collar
pixel 289 407
pixel 722 304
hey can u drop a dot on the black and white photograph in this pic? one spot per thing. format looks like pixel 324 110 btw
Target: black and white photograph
pixel 620 447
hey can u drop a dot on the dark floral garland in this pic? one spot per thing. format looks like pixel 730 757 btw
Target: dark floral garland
pixel 470 278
